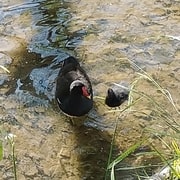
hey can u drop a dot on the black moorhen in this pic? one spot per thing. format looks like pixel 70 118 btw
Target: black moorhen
pixel 116 95
pixel 74 93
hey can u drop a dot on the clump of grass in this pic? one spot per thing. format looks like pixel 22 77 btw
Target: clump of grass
pixel 160 113
pixel 176 162
pixel 10 138
pixel 122 157
pixel 171 170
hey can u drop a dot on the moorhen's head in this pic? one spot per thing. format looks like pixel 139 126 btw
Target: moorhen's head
pixel 78 102
pixel 78 88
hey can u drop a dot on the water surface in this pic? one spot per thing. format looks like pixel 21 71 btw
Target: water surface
pixel 36 36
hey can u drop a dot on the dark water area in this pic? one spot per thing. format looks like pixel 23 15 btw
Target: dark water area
pixel 36 36
pixel 44 50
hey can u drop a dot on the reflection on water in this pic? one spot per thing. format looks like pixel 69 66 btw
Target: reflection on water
pixel 36 36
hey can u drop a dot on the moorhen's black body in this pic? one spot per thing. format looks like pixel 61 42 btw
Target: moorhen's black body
pixel 116 95
pixel 74 93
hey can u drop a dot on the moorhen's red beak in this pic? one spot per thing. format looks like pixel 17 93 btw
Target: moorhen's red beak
pixel 85 92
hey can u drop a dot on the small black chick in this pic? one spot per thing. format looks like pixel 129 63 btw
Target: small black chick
pixel 117 94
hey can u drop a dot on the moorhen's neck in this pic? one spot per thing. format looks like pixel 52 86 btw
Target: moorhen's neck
pixel 77 104
pixel 76 92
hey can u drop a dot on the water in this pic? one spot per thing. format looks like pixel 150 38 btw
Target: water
pixel 36 36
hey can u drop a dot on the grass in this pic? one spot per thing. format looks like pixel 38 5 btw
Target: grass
pixel 1 150
pixel 122 157
pixel 10 138
pixel 176 162
pixel 11 142
pixel 4 68
pixel 161 114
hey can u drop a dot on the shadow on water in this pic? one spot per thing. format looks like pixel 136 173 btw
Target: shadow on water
pixel 35 68
pixel 93 150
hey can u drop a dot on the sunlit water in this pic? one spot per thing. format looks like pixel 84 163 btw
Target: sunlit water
pixel 36 36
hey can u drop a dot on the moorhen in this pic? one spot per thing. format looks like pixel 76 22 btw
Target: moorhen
pixel 74 93
pixel 117 94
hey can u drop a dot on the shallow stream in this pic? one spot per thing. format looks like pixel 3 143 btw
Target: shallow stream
pixel 106 37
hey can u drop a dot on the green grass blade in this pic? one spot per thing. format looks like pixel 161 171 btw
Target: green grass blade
pixel 1 150
pixel 112 173
pixel 4 68
pixel 111 149
pixel 125 154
